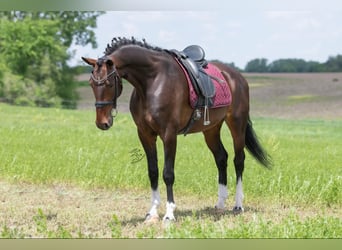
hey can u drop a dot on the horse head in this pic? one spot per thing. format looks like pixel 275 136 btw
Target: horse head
pixel 107 87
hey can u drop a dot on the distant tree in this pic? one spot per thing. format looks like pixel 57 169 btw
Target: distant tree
pixel 257 65
pixel 334 64
pixel 232 65
pixel 312 66
pixel 34 53
pixel 288 65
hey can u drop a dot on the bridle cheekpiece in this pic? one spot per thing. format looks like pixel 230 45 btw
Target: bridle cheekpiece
pixel 100 82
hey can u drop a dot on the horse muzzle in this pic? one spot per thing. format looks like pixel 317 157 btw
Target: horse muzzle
pixel 105 117
pixel 105 123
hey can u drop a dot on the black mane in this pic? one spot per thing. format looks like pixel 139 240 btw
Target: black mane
pixel 118 42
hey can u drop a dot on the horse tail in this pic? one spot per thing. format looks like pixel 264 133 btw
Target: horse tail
pixel 254 147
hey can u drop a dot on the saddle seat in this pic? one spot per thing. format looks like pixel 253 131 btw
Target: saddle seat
pixel 196 53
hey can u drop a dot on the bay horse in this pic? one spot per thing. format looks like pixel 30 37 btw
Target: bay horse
pixel 160 106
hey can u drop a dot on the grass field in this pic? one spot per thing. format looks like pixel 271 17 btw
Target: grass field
pixel 61 177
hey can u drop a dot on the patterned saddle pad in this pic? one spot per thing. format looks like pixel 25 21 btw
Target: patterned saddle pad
pixel 222 95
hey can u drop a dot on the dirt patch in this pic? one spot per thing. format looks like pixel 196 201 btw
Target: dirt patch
pixel 78 211
pixel 296 96
pixel 95 213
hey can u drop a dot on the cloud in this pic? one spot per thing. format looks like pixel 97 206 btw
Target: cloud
pixel 285 15
pixel 166 36
pixel 308 23
pixel 130 29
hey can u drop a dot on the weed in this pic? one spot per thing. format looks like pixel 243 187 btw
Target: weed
pixel 115 226
pixel 9 233
pixel 41 222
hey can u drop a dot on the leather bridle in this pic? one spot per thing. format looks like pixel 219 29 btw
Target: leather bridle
pixel 100 82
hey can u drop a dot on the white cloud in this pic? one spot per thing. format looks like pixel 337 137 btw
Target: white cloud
pixel 308 23
pixel 130 29
pixel 285 14
pixel 166 36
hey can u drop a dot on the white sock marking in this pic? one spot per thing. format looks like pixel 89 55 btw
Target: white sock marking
pixel 170 207
pixel 239 194
pixel 222 196
pixel 155 200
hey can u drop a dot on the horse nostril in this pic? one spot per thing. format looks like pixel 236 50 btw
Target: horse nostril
pixel 103 126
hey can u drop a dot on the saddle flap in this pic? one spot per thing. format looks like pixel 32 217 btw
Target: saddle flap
pixel 193 67
pixel 206 87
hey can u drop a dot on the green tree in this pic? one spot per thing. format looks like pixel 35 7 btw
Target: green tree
pixel 334 64
pixel 257 65
pixel 295 65
pixel 280 65
pixel 34 55
pixel 74 26
pixel 232 65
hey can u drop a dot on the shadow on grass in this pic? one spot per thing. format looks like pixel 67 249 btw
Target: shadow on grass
pixel 207 212
pixel 212 212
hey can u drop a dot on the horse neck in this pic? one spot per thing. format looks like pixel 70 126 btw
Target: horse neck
pixel 138 65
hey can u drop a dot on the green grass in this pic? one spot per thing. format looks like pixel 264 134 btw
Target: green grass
pixel 47 146
pixel 290 227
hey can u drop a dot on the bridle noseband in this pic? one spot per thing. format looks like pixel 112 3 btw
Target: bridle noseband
pixel 100 82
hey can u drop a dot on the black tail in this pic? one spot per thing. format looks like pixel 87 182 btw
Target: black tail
pixel 254 147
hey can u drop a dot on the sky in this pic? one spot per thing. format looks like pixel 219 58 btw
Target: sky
pixel 230 31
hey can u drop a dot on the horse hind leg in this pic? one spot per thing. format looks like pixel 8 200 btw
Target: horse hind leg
pixel 237 127
pixel 213 140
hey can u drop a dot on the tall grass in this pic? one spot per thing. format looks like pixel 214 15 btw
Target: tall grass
pixel 53 145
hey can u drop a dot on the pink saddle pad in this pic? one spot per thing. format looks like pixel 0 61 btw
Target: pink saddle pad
pixel 222 96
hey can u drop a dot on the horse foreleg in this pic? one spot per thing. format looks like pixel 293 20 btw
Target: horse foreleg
pixel 148 142
pixel 170 144
pixel 152 215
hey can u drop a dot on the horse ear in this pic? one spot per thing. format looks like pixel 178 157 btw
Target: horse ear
pixel 89 61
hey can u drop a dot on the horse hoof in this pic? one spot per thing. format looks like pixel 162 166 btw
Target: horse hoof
pixel 151 219
pixel 238 210
pixel 220 210
pixel 167 221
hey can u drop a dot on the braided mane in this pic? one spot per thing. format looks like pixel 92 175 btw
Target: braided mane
pixel 118 42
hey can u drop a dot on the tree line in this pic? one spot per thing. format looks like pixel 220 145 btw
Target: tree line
pixel 34 54
pixel 333 64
